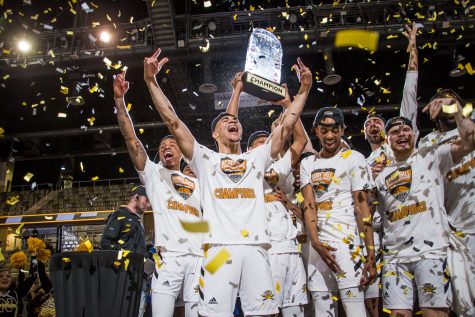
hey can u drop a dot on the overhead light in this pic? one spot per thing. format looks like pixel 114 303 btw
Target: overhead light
pixel 207 4
pixel 292 18
pixel 332 78
pixel 24 46
pixel 105 37
pixel 63 168
pixel 212 26
pixel 458 69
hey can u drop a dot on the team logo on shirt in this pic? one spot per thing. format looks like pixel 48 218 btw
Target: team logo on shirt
pixel 460 170
pixel 399 182
pixel 321 180
pixel 267 295
pixel 272 178
pixel 184 186
pixel 234 169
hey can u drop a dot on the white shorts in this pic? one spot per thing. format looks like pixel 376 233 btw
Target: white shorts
pixel 178 273
pixel 290 279
pixel 374 289
pixel 322 279
pixel 248 273
pixel 431 278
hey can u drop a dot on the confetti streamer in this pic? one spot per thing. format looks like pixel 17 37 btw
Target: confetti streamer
pixel 213 265
pixel 199 226
pixel 357 38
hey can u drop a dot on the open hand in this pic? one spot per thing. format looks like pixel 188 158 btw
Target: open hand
pixel 151 65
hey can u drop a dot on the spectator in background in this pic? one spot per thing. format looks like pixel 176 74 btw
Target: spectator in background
pixel 124 230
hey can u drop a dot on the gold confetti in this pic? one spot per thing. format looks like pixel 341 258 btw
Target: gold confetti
pixel 121 170
pixel 28 177
pixel 466 111
pixel 126 264
pixel 346 154
pixel 120 218
pixel 13 200
pixel 469 69
pixel 299 197
pixel 244 233
pixel 277 286
pixel 270 113
pixel 64 90
pixel 94 88
pixel 336 180
pixel 66 260
pixel 450 109
pixel 95 178
pixel 156 257
pixel 408 274
pixel 213 265
pixel 198 226
pixel 357 38
pixel 141 131
pixel 387 311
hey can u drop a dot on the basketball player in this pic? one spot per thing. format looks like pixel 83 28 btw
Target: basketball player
pixel 174 198
pixel 335 187
pixel 236 259
pixel 415 224
pixel 381 155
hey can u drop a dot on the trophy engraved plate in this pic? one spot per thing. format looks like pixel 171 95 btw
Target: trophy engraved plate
pixel 263 66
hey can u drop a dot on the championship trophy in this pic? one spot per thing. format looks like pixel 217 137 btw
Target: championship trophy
pixel 261 76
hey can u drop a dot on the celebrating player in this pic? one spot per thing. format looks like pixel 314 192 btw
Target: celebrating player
pixel 415 223
pixel 233 202
pixel 381 155
pixel 174 198
pixel 335 188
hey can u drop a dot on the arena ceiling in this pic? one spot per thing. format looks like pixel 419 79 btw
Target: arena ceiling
pixel 205 44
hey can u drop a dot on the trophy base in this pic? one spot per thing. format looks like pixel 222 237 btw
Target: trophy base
pixel 262 88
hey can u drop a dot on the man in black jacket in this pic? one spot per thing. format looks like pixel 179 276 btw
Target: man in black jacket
pixel 124 229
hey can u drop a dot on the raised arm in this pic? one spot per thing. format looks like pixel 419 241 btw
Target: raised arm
pixel 409 94
pixel 365 226
pixel 465 126
pixel 176 127
pixel 134 146
pixel 233 105
pixel 292 114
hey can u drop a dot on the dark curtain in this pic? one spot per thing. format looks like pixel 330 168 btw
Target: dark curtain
pixel 92 285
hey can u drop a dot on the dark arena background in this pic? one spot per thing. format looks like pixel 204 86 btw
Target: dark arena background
pixel 64 165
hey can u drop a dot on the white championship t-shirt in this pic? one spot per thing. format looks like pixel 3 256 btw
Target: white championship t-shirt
pixel 334 180
pixel 411 195
pixel 174 198
pixel 232 188
pixel 459 184
pixel 281 227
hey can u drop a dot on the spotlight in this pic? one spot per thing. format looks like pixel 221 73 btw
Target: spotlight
pixel 24 46
pixel 63 168
pixel 105 37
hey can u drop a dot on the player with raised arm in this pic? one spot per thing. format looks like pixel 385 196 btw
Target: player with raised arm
pixel 174 198
pixel 415 223
pixel 236 259
pixel 382 155
pixel 335 188
pixel 284 255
